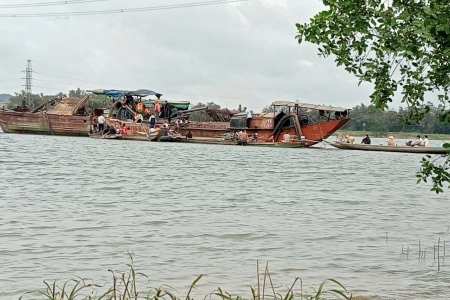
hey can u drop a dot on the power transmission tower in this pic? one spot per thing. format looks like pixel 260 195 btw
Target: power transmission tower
pixel 28 84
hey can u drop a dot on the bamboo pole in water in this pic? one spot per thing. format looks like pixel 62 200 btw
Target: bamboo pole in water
pixel 439 261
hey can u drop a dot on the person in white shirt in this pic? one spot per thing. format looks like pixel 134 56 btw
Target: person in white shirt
pixel 249 116
pixel 425 141
pixel 418 142
pixel 286 137
pixel 101 123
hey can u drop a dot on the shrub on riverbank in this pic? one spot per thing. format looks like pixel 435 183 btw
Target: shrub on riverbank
pixel 124 287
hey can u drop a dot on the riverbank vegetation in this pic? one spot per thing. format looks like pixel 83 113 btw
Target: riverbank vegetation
pixel 95 101
pixel 401 49
pixel 125 286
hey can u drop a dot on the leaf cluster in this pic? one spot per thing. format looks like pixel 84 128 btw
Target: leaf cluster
pixel 399 44
pixel 437 169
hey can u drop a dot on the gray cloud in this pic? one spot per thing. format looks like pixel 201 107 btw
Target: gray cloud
pixel 243 53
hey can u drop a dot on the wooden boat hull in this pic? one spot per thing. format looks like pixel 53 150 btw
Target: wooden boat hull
pixel 313 133
pixel 402 149
pixel 106 137
pixel 41 123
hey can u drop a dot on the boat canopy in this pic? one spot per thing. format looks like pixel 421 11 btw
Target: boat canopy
pixel 309 106
pixel 116 94
pixel 181 105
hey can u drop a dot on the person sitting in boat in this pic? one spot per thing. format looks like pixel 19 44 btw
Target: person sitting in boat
pixel 350 139
pixel 138 118
pixel 227 135
pixel 418 142
pixel 165 130
pixel 286 137
pixel 425 141
pixel 189 135
pixel 106 130
pixel 391 141
pixel 366 140
pixel 124 129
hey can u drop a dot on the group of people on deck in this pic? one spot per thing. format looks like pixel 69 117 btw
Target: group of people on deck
pixel 419 142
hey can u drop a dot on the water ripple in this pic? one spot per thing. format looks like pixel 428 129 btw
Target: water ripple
pixel 77 206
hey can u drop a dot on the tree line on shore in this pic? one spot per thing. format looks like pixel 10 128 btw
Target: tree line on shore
pixel 369 118
pixel 95 101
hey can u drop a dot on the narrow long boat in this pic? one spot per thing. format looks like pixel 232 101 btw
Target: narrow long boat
pixel 402 149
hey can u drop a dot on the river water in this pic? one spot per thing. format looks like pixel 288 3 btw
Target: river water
pixel 76 206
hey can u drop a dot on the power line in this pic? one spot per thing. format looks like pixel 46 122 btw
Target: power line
pixel 22 5
pixel 69 84
pixel 71 78
pixel 118 11
pixel 49 88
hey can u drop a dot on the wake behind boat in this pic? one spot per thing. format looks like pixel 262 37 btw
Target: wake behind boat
pixel 403 149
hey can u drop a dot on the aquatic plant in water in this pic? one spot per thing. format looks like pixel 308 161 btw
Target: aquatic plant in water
pixel 124 287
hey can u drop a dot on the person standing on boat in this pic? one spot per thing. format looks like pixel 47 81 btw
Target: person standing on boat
pixel 366 140
pixel 152 120
pixel 101 123
pixel 249 116
pixel 286 137
pixel 157 109
pixel 243 137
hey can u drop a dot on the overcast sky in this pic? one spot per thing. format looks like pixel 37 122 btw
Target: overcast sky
pixel 239 53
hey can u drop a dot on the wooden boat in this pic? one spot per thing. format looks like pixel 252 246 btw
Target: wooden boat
pixel 66 116
pixel 403 149
pixel 106 136
pixel 136 102
pixel 306 124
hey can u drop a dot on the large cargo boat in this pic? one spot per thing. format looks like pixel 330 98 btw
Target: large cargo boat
pixel 285 122
pixel 66 116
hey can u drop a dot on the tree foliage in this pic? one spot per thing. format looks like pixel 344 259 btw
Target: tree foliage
pixel 95 101
pixel 367 117
pixel 397 45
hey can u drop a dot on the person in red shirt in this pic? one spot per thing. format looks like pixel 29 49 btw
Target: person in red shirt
pixel 124 129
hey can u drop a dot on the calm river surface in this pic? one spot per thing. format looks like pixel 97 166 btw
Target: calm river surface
pixel 75 207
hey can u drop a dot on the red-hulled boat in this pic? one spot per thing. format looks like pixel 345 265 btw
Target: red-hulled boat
pixel 285 122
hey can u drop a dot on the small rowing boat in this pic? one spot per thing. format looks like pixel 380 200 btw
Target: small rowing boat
pixel 403 149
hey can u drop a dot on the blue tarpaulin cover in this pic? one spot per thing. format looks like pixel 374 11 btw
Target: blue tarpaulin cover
pixel 116 94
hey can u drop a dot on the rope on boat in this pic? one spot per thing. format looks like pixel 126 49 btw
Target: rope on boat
pixel 48 121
